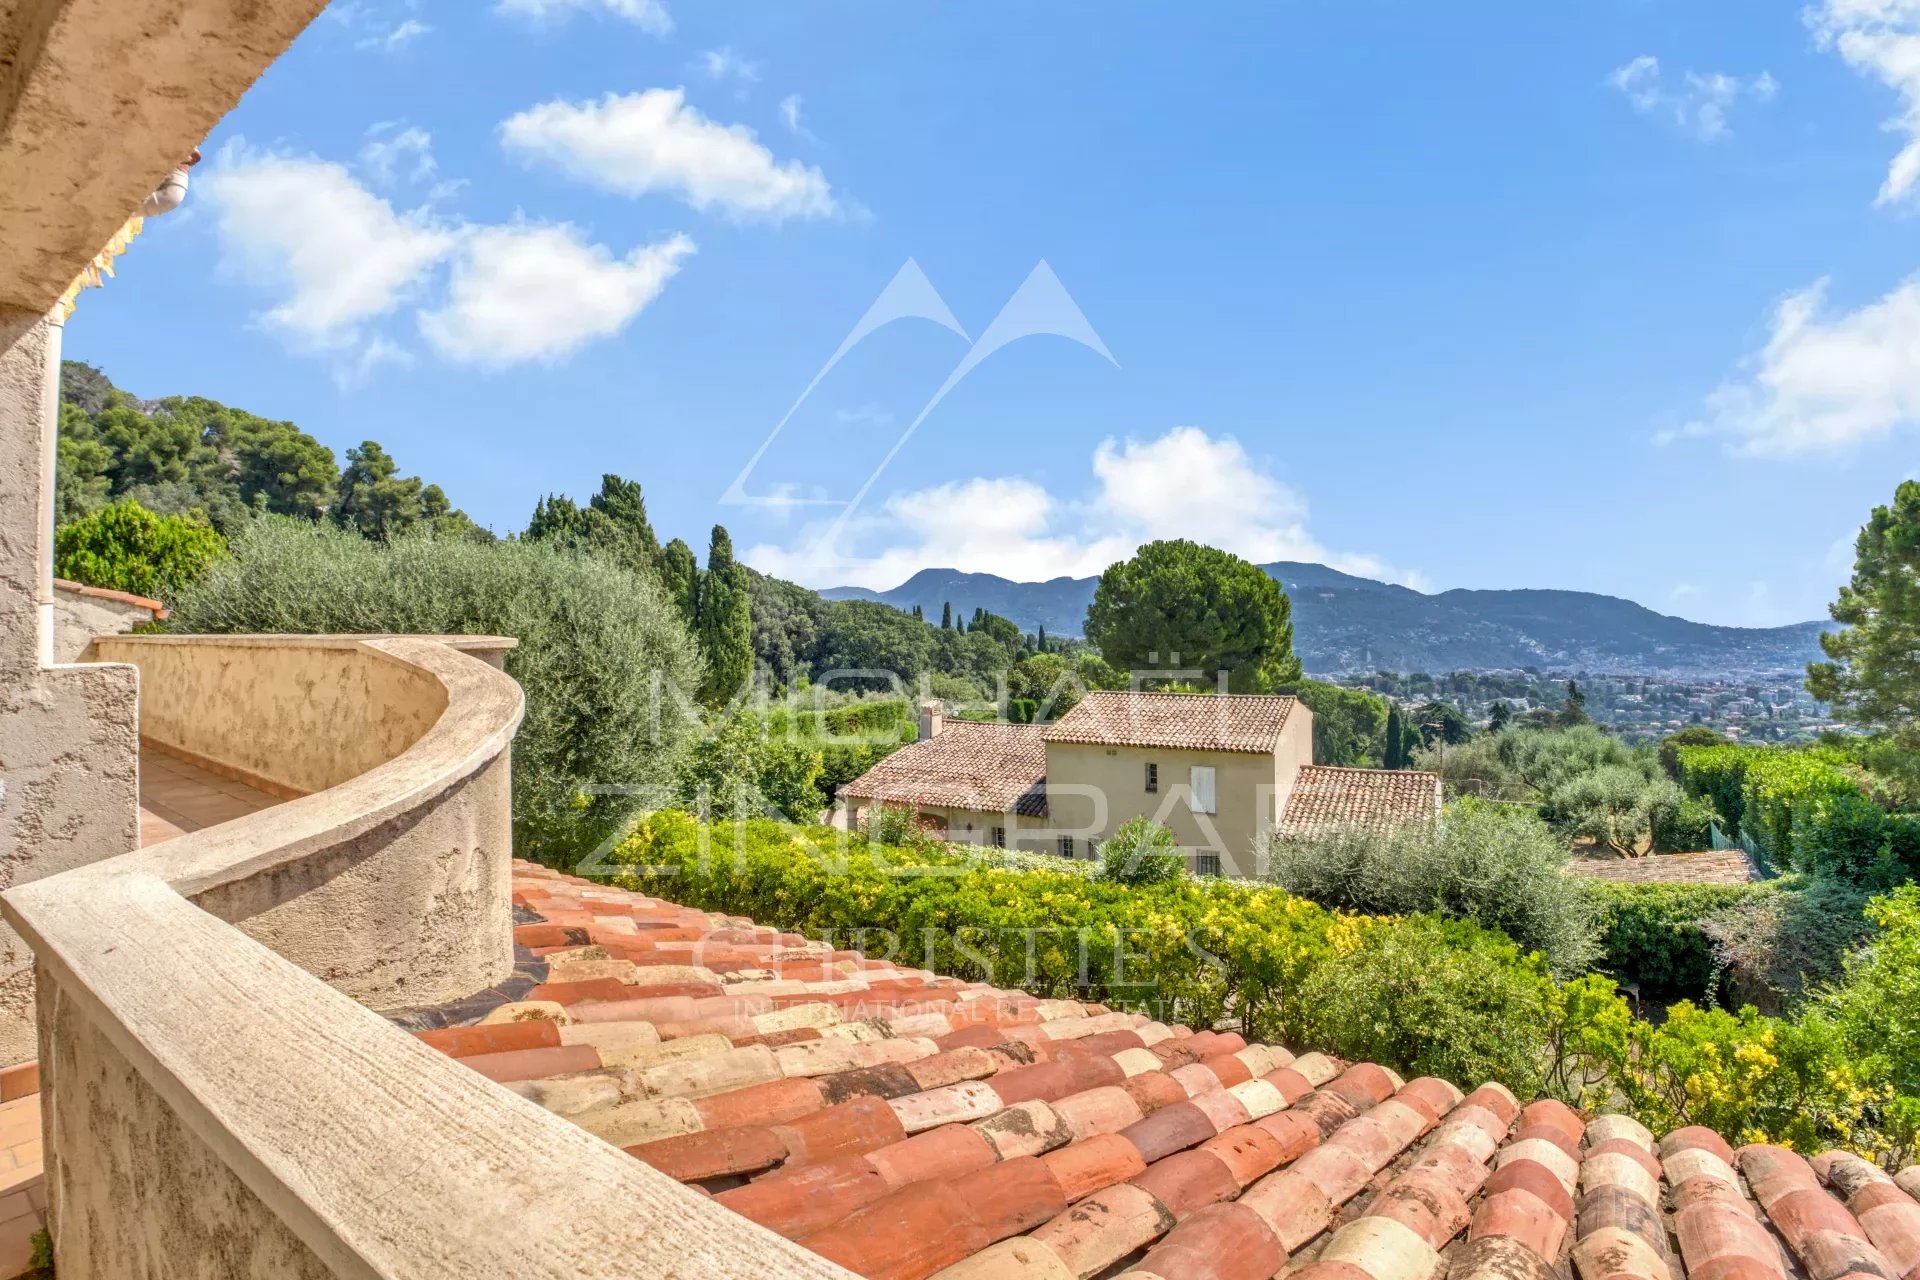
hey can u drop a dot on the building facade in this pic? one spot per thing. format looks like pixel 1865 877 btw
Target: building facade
pixel 1216 770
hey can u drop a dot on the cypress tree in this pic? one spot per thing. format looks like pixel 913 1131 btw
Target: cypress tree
pixel 725 629
pixel 1041 645
pixel 946 616
pixel 917 615
pixel 1395 756
pixel 680 573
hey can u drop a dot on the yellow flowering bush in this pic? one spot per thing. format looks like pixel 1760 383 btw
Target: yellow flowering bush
pixel 1419 993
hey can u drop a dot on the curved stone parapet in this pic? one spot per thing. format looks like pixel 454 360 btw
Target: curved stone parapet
pixel 387 875
pixel 218 1102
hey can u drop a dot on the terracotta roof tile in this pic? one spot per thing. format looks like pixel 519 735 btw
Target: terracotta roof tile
pixel 1041 1139
pixel 998 768
pixel 1181 721
pixel 1326 797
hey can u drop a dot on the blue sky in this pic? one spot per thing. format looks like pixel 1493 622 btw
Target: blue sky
pixel 1608 295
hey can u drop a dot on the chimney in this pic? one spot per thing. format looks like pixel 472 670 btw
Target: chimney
pixel 929 719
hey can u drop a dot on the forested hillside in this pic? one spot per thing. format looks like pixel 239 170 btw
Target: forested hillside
pixel 186 453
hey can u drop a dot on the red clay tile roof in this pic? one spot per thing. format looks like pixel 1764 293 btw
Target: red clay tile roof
pixel 154 607
pixel 1182 721
pixel 1325 797
pixel 1721 866
pixel 908 1125
pixel 998 768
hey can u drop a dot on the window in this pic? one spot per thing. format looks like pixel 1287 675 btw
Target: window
pixel 999 837
pixel 1066 846
pixel 1203 797
pixel 1206 864
pixel 1153 777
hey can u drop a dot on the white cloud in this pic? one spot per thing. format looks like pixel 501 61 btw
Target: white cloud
pixel 653 141
pixel 341 255
pixel 536 292
pixel 1186 484
pixel 790 115
pixel 1824 382
pixel 725 64
pixel 649 15
pixel 340 262
pixel 1698 105
pixel 393 152
pixel 356 370
pixel 1881 38
pixel 399 37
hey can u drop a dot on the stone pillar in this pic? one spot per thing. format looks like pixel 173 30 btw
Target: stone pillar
pixel 69 735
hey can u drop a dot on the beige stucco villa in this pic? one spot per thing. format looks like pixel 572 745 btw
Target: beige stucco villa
pixel 1217 770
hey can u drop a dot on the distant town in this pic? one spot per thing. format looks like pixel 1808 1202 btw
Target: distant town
pixel 1771 707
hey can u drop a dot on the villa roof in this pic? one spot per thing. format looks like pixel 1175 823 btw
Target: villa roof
pixel 995 768
pixel 907 1125
pixel 1325 797
pixel 1181 721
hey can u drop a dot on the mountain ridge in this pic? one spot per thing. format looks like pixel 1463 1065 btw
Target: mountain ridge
pixel 1344 623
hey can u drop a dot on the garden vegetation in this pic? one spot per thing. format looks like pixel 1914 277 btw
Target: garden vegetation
pixel 608 667
pixel 1420 993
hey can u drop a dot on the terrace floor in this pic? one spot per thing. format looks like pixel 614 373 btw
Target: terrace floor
pixel 177 797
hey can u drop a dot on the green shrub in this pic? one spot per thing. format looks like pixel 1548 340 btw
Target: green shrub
pixel 1141 852
pixel 126 547
pixel 1499 867
pixel 1651 940
pixel 897 825
pixel 790 772
pixel 1436 998
pixel 1685 827
pixel 738 769
pixel 719 776
pixel 1775 947
pixel 1876 1007
pixel 606 662
pixel 1697 735
pixel 1857 840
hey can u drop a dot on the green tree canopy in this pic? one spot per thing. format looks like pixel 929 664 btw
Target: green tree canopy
pixel 870 637
pixel 374 499
pixel 1349 725
pixel 613 523
pixel 725 622
pixel 680 574
pixel 1182 605
pixel 1873 676
pixel 1394 751
pixel 1440 722
pixel 182 453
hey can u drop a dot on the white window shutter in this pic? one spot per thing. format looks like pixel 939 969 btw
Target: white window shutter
pixel 1203 798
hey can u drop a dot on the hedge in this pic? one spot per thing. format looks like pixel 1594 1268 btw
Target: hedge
pixel 1651 939
pixel 1416 993
pixel 1805 810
